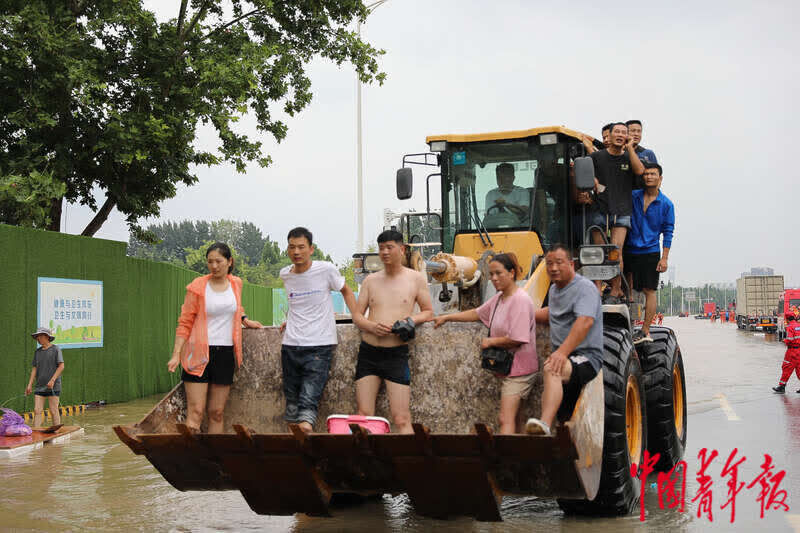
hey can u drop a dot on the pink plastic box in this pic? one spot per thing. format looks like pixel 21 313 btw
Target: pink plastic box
pixel 340 424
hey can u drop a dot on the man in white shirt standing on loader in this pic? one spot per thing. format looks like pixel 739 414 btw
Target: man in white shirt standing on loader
pixel 309 338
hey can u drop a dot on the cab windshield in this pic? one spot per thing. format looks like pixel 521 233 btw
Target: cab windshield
pixel 515 185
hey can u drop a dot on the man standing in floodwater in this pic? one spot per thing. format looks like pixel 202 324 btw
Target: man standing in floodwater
pixel 309 333
pixel 791 361
pixel 390 295
pixel 48 365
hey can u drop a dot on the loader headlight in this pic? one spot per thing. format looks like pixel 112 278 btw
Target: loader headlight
pixel 548 138
pixel 367 263
pixel 591 255
pixel 364 265
pixel 438 146
pixel 372 263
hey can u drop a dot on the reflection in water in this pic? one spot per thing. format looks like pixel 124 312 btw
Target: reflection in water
pixel 95 483
pixel 39 473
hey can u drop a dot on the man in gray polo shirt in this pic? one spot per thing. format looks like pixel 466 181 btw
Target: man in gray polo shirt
pixel 575 315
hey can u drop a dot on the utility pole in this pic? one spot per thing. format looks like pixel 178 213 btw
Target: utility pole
pixel 670 299
pixel 359 145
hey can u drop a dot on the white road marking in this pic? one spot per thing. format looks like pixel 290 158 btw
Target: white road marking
pixel 794 521
pixel 726 408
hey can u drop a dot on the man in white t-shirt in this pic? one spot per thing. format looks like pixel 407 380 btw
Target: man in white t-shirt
pixel 309 337
pixel 507 196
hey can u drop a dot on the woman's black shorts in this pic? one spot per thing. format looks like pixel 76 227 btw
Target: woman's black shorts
pixel 219 370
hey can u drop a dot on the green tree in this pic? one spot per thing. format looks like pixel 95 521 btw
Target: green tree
pixel 104 97
pixel 349 274
pixel 169 240
pixel 265 272
pixel 26 200
pixel 250 242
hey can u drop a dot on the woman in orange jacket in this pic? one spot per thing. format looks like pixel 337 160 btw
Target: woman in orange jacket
pixel 209 339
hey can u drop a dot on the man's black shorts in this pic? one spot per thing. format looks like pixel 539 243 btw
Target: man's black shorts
pixel 582 373
pixel 219 370
pixel 387 363
pixel 643 268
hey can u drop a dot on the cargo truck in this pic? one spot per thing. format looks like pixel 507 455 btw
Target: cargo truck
pixel 756 302
pixel 789 301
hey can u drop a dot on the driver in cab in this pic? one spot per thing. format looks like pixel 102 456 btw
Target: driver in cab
pixel 507 196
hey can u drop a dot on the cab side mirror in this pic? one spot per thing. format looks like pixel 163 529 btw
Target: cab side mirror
pixel 584 173
pixel 404 183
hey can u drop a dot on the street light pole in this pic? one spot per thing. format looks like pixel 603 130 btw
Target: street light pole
pixel 360 170
pixel 359 145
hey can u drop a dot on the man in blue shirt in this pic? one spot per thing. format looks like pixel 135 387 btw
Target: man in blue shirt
pixel 653 216
pixel 635 131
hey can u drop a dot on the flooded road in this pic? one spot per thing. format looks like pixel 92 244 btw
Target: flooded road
pixel 94 483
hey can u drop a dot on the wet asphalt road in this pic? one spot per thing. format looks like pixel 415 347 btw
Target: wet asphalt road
pixel 95 483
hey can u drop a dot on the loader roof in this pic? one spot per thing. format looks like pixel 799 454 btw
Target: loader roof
pixel 503 135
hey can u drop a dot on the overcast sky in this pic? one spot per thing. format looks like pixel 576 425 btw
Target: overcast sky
pixel 715 84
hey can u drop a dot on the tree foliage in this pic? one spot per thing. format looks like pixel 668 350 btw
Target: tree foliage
pixel 102 96
pixel 26 200
pixel 257 258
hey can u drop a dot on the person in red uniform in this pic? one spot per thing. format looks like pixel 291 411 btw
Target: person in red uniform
pixel 791 361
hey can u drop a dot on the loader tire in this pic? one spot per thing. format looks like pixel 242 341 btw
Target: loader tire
pixel 665 393
pixel 625 436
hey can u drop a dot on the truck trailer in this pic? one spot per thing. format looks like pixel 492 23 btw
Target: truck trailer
pixel 756 302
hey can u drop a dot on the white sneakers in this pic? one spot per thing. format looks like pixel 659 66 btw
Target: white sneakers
pixel 534 426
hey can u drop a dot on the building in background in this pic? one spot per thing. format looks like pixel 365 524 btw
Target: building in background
pixel 759 271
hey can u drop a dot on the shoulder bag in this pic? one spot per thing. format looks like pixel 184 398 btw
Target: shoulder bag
pixel 493 359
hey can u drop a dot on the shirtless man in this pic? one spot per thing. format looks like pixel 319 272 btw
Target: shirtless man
pixel 390 295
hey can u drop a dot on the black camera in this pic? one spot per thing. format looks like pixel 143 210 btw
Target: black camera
pixel 405 329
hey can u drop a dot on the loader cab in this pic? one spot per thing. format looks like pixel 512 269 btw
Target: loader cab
pixel 507 185
pixel 509 182
pixel 511 191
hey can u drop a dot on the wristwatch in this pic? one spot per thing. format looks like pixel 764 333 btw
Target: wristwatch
pixel 244 317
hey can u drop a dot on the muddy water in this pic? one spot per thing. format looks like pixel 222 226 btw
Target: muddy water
pixel 94 483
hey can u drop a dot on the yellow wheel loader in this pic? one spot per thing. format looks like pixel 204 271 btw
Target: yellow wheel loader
pixel 454 463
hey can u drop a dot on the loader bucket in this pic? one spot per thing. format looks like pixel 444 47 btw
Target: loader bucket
pixel 452 465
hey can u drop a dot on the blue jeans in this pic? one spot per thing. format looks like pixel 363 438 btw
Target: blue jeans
pixel 305 373
pixel 596 218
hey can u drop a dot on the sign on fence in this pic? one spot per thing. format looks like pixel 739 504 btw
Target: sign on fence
pixel 73 310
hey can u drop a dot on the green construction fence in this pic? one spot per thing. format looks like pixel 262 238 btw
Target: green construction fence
pixel 141 304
